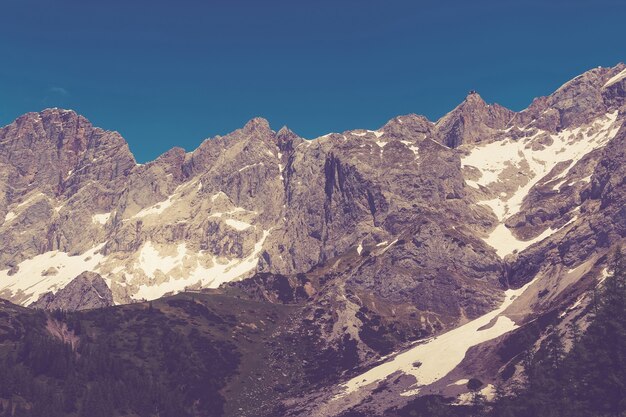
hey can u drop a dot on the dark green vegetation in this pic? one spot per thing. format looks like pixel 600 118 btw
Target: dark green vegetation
pixel 186 355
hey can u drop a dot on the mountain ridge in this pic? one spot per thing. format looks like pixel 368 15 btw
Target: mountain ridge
pixel 261 121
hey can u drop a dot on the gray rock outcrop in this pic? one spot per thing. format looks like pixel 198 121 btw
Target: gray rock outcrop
pixel 85 292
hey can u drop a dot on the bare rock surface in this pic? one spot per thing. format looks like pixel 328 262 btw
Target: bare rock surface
pixel 85 292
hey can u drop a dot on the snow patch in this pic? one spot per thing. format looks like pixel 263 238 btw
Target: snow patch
pixel 207 277
pixel 101 218
pixel 157 208
pixel 460 382
pixel 507 161
pixel 13 214
pixel 493 159
pixel 604 275
pixel 250 166
pixel 376 133
pixel 574 306
pixel 150 260
pixel 440 355
pixel 31 281
pixel 412 147
pixel 615 79
pixel 237 224
pixel 503 241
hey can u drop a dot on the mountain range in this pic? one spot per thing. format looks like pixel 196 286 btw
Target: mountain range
pixel 384 265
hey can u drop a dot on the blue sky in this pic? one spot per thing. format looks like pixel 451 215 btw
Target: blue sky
pixel 171 73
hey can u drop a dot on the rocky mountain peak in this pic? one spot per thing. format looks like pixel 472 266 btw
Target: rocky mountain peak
pixel 87 291
pixel 257 125
pixel 284 132
pixel 472 121
pixel 172 162
pixel 58 151
pixel 286 139
pixel 412 125
pixel 473 98
pixel 578 101
pixel 614 89
pixel 56 114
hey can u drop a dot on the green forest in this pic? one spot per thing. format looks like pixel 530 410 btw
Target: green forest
pixel 160 368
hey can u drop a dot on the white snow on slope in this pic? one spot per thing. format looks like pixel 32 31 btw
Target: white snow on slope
pixel 376 133
pixel 157 208
pixel 10 216
pixel 219 194
pixel 568 145
pixel 359 248
pixel 208 277
pixel 101 218
pixel 150 260
pixel 251 165
pixel 461 382
pixel 179 268
pixel 178 196
pixel 412 147
pixel 615 79
pixel 605 274
pixel 31 280
pixel 441 354
pixel 501 162
pixel 503 241
pixel 574 306
pixel 237 224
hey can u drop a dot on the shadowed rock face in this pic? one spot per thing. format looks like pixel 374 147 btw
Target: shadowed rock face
pixel 85 292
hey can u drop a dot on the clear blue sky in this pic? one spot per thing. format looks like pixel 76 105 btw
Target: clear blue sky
pixel 171 73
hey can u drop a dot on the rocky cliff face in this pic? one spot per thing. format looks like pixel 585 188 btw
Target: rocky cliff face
pixel 85 292
pixel 552 179
pixel 381 237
